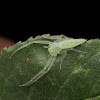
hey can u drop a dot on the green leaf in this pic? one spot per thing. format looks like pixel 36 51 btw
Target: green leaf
pixel 78 79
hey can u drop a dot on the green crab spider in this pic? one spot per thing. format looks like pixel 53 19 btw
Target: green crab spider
pixel 54 48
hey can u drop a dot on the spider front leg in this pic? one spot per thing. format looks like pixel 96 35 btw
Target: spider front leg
pixel 54 37
pixel 48 66
pixel 32 42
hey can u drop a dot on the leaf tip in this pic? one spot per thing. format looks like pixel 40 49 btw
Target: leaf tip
pixel 31 38
pixel 4 49
pixel 19 42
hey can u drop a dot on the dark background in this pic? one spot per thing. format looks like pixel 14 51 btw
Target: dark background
pixel 22 36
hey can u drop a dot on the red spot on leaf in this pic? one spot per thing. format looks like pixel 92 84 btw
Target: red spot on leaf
pixel 27 58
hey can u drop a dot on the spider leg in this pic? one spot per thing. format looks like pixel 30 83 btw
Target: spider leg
pixel 64 55
pixel 55 37
pixel 48 66
pixel 65 36
pixel 78 50
pixel 39 42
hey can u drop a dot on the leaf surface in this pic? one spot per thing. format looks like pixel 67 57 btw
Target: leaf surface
pixel 78 78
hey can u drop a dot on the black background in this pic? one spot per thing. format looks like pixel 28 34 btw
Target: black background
pixel 23 36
